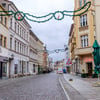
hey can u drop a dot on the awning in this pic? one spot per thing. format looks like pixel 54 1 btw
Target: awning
pixel 4 59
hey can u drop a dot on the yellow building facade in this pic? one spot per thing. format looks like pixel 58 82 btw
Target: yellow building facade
pixel 83 38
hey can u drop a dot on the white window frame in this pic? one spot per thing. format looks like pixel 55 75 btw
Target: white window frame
pixel 84 41
pixel 83 20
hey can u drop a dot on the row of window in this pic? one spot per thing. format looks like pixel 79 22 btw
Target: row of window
pixel 3 41
pixel 33 55
pixel 18 29
pixel 33 42
pixel 83 22
pixel 18 47
pixel 3 20
pixel 82 2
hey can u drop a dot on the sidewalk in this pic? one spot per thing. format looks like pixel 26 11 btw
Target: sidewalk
pixel 84 86
pixel 4 82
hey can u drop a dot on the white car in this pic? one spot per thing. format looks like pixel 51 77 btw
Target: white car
pixel 59 71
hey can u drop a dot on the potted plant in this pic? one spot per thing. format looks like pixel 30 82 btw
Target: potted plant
pixel 83 75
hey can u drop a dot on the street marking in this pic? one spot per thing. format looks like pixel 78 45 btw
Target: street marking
pixel 64 90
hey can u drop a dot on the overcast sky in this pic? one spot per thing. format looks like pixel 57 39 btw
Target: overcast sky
pixel 53 33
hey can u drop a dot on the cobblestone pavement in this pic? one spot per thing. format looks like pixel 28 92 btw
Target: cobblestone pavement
pixel 40 87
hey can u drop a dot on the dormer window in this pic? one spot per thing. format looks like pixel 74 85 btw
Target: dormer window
pixel 4 5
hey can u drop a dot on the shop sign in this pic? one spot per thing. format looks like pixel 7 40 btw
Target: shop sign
pixel 88 60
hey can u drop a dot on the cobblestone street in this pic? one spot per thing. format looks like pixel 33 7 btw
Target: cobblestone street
pixel 39 87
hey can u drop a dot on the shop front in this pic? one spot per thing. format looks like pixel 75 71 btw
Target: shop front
pixel 88 62
pixel 3 66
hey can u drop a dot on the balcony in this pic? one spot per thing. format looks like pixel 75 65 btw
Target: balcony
pixel 83 51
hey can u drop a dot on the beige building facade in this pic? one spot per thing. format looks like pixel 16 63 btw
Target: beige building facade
pixel 82 39
pixel 33 54
pixel 40 49
pixel 96 14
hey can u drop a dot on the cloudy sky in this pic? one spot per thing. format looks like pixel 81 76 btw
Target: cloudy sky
pixel 53 33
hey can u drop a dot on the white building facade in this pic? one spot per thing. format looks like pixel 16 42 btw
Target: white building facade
pixel 18 43
pixel 4 42
pixel 20 55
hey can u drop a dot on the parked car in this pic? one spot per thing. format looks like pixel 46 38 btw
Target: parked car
pixel 60 71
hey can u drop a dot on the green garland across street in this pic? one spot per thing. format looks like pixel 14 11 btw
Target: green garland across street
pixel 53 51
pixel 19 15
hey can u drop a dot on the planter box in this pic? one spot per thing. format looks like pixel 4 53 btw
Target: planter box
pixel 84 75
pixel 94 76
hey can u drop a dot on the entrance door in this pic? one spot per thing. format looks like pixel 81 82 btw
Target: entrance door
pixel 89 65
pixel 4 69
pixel 0 69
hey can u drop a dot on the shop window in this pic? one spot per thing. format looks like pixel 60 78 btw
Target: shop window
pixel 33 67
pixel 16 69
pixel 4 69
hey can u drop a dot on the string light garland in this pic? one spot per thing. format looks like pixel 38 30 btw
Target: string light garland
pixel 53 51
pixel 47 17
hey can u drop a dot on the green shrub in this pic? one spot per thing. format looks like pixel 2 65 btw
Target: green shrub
pixel 95 75
pixel 84 75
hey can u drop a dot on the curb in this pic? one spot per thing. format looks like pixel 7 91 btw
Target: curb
pixel 68 98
